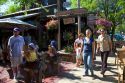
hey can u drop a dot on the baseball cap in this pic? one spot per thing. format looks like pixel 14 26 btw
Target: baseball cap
pixel 32 45
pixel 16 29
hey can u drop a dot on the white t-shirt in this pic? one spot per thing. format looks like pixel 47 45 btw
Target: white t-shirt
pixel 78 40
pixel 78 51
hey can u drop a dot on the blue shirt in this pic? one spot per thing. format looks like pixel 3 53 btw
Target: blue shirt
pixel 87 46
pixel 16 45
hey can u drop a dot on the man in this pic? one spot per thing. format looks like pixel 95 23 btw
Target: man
pixel 15 45
pixel 104 45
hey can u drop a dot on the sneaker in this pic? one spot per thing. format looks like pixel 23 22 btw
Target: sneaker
pixel 20 76
pixel 15 80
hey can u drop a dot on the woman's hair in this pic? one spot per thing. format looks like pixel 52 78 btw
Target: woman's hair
pixel 80 35
pixel 52 48
pixel 88 30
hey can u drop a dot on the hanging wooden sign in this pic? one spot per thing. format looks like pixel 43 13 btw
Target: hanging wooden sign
pixel 69 20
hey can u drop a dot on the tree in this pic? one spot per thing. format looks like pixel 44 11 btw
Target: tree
pixel 89 4
pixel 3 1
pixel 17 5
pixel 13 8
pixel 112 10
pixel 26 4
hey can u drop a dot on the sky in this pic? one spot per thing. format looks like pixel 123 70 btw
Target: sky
pixel 5 6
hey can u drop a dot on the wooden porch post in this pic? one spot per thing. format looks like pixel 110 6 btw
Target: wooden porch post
pixel 79 18
pixel 59 39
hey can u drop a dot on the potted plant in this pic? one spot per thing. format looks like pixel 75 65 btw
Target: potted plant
pixel 68 49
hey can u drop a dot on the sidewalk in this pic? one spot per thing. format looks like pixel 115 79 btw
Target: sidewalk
pixel 72 74
pixel 75 75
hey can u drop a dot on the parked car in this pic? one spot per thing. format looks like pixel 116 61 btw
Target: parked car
pixel 118 37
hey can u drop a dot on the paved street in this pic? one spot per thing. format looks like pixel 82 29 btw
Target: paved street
pixel 75 75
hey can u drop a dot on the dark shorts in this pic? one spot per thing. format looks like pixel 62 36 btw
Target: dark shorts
pixel 31 65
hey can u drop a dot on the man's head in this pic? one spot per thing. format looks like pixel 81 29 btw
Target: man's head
pixel 16 31
pixel 102 31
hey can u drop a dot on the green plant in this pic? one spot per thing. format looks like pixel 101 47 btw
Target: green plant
pixel 69 49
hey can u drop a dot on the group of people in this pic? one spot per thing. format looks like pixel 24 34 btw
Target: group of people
pixel 85 50
pixel 83 45
pixel 22 51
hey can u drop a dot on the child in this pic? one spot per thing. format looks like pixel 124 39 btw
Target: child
pixel 31 59
pixel 78 54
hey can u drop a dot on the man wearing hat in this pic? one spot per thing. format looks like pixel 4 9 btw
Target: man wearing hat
pixel 15 45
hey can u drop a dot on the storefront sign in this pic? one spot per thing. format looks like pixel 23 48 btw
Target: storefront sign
pixel 69 20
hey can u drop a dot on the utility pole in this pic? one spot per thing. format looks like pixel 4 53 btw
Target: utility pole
pixel 79 18
pixel 59 39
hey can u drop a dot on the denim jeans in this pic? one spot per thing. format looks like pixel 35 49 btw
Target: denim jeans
pixel 88 62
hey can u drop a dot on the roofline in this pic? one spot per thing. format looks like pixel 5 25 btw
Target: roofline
pixel 34 10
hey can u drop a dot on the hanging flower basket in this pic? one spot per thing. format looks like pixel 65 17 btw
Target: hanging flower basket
pixel 52 24
pixel 103 22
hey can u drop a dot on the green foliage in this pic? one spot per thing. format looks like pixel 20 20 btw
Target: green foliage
pixel 69 49
pixel 13 8
pixel 68 36
pixel 17 5
pixel 120 28
pixel 112 10
pixel 89 4
pixel 3 1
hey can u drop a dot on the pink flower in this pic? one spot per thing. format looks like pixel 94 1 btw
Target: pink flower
pixel 103 22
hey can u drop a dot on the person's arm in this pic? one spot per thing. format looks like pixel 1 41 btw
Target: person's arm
pixel 93 52
pixel 98 45
pixel 9 46
pixel 110 44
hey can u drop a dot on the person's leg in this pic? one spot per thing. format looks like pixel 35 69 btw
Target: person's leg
pixel 76 62
pixel 13 66
pixel 90 62
pixel 102 57
pixel 79 61
pixel 85 63
pixel 105 61
pixel 19 62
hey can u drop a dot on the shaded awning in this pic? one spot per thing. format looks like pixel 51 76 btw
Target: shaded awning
pixel 12 22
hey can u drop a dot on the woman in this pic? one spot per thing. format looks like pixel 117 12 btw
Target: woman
pixel 104 45
pixel 52 60
pixel 88 49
